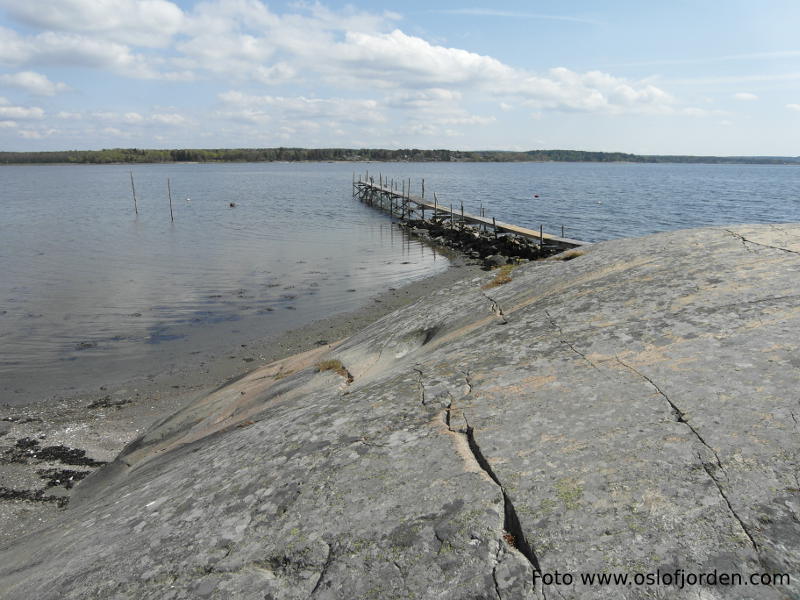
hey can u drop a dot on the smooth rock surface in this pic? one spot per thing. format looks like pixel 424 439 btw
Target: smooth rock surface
pixel 631 410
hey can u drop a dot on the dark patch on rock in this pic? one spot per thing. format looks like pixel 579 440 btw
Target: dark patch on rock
pixel 85 345
pixel 107 402
pixel 32 496
pixel 62 477
pixel 27 449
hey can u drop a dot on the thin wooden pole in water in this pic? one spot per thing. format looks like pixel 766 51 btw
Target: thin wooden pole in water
pixel 133 189
pixel 494 224
pixel 541 235
pixel 169 193
pixel 435 205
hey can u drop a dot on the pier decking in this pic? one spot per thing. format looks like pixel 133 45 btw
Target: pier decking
pixel 400 202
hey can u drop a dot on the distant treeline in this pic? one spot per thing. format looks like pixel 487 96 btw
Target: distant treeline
pixel 137 155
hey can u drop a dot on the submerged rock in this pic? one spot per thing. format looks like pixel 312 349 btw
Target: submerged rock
pixel 631 411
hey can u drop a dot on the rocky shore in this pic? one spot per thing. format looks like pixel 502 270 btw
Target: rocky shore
pixel 478 244
pixel 47 446
pixel 631 412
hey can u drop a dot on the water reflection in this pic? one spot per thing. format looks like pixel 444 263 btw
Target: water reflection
pixel 87 283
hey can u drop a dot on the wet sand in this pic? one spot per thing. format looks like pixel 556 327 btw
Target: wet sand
pixel 46 446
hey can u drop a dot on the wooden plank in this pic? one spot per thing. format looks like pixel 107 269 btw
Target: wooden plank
pixel 469 218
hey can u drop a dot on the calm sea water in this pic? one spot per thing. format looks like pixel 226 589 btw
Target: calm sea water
pixel 596 201
pixel 87 286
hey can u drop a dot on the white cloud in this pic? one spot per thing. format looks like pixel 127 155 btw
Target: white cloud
pixel 34 83
pixel 468 120
pixel 168 119
pixel 8 124
pixel 429 100
pixel 417 62
pixel 593 91
pixel 149 23
pixel 73 50
pixel 745 96
pixel 9 112
pixel 244 40
pixel 793 107
pixel 343 109
pixel 278 73
pixel 36 134
pixel 225 53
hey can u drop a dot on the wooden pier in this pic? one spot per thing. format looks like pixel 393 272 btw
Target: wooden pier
pixel 396 198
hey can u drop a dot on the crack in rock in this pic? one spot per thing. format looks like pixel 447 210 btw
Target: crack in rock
pixel 511 522
pixel 730 508
pixel 567 343
pixel 681 418
pixel 745 241
pixel 679 415
pixel 496 584
pixel 322 573
pixel 420 386
pixel 495 308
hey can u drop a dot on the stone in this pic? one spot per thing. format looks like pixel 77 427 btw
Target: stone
pixel 632 410
pixel 494 260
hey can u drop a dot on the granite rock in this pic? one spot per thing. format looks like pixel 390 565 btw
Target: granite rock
pixel 633 410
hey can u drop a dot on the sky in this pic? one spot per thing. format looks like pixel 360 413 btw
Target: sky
pixel 701 77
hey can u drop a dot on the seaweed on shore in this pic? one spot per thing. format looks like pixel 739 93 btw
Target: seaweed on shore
pixel 27 448
pixel 107 402
pixel 32 496
pixel 62 477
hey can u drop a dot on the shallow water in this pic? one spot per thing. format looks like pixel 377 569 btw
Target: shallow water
pixel 87 286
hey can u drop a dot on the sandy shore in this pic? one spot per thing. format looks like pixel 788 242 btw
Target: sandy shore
pixel 47 446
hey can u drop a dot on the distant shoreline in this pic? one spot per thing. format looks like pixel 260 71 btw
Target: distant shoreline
pixel 131 156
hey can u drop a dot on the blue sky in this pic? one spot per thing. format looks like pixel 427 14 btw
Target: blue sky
pixel 677 77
